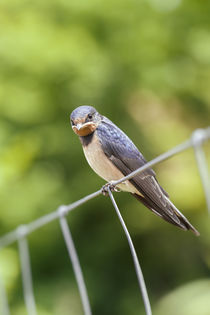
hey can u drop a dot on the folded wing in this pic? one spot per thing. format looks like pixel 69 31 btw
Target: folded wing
pixel 126 157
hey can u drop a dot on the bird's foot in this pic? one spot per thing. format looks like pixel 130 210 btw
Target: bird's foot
pixel 109 186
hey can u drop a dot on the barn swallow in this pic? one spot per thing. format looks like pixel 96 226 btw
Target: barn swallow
pixel 112 155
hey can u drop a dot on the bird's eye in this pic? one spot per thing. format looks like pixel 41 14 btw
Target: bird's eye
pixel 90 116
pixel 72 122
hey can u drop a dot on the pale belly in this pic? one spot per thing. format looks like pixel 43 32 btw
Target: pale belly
pixel 103 166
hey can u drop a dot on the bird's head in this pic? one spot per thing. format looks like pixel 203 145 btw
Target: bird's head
pixel 84 120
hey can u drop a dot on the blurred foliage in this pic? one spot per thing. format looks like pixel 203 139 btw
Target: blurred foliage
pixel 192 298
pixel 144 64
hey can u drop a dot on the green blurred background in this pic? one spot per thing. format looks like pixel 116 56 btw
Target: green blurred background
pixel 145 65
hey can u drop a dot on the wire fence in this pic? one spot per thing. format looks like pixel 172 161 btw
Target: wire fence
pixel 20 234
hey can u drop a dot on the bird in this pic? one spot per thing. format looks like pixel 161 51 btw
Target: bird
pixel 113 155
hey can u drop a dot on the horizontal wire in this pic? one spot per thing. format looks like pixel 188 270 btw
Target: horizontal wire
pixel 34 225
pixel 181 147
pixel 204 135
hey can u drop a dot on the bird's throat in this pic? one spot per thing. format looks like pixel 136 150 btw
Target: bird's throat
pixel 86 140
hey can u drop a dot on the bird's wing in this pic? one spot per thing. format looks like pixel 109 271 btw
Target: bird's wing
pixel 126 157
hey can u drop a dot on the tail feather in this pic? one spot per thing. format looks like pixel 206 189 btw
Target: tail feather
pixel 171 214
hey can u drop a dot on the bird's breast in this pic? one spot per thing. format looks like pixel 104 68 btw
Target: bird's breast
pixel 101 164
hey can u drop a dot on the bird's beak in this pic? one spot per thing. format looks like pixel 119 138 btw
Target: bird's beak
pixel 84 129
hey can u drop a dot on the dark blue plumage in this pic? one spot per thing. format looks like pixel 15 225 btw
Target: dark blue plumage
pixel 114 140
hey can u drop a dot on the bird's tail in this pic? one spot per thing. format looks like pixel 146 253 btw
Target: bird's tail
pixel 172 215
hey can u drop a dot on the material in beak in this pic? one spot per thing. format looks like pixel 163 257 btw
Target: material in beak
pixel 79 126
pixel 84 129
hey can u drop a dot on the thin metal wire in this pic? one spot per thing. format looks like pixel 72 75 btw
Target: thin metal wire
pixel 13 236
pixel 20 233
pixel 26 276
pixel 162 157
pixel 76 265
pixel 3 298
pixel 197 138
pixel 139 273
pixel 179 148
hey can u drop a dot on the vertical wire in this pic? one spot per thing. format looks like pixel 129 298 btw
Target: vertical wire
pixel 200 157
pixel 203 170
pixel 76 265
pixel 139 273
pixel 26 276
pixel 3 298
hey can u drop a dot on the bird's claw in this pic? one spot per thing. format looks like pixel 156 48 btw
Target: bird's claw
pixel 109 186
